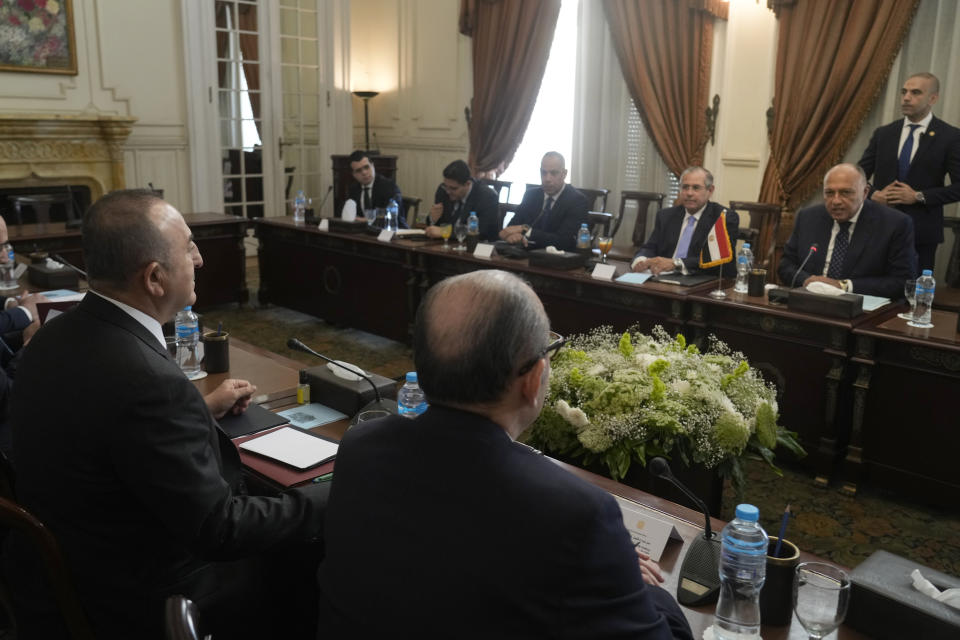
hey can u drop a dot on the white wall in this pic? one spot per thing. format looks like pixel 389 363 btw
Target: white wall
pixel 129 63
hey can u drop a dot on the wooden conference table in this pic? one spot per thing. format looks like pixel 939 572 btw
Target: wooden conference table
pixel 819 364
pixel 276 378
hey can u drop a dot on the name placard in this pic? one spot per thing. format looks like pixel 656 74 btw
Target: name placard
pixel 648 533
pixel 604 271
pixel 385 236
pixel 324 225
pixel 483 250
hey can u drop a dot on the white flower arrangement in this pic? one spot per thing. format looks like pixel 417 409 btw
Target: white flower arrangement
pixel 625 398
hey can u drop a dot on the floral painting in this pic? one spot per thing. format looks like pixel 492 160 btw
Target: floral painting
pixel 37 36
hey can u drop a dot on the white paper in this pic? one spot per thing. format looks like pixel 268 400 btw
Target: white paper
pixel 634 278
pixel 648 534
pixel 349 212
pixel 483 250
pixel 292 446
pixel 408 233
pixel 604 271
pixel 386 235
pixel 324 225
pixel 874 302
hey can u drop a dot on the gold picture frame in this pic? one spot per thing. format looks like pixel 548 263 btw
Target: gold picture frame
pixel 37 36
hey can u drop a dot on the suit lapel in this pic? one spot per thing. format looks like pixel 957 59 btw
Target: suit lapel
pixel 862 233
pixel 926 141
pixel 672 229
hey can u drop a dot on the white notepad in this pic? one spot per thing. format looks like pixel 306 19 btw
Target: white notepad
pixel 291 446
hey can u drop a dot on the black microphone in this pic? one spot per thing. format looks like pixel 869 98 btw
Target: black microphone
pixel 813 249
pixel 325 196
pixel 699 581
pixel 58 258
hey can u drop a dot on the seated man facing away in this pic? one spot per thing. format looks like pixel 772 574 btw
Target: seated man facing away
pixel 686 238
pixel 459 195
pixel 444 526
pixel 549 215
pixel 127 467
pixel 862 246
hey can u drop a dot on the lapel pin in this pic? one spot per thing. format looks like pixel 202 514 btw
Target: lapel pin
pixel 930 133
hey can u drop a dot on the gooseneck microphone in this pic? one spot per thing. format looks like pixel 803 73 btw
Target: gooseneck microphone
pixel 813 249
pixel 699 579
pixel 295 344
pixel 56 257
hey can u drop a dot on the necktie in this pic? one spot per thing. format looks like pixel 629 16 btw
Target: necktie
pixel 840 246
pixel 683 246
pixel 456 211
pixel 905 153
pixel 366 199
pixel 544 219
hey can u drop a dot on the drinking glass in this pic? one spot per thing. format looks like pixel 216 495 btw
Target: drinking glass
pixel 604 243
pixel 910 291
pixel 445 232
pixel 821 593
pixel 460 231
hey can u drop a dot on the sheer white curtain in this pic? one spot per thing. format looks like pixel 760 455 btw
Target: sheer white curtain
pixel 933 44
pixel 611 149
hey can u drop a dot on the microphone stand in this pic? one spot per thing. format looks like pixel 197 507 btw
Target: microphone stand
pixel 379 404
pixel 58 258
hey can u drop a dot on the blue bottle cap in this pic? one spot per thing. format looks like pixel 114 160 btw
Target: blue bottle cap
pixel 187 308
pixel 411 376
pixel 927 272
pixel 748 512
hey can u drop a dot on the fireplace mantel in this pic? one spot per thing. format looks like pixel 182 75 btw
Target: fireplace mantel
pixel 49 149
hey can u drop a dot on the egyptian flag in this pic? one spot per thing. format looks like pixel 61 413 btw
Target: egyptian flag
pixel 718 249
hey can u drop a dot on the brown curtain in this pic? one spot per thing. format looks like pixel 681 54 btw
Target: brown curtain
pixel 832 60
pixel 247 21
pixel 665 49
pixel 511 44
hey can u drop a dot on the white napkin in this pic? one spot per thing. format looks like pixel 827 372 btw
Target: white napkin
pixel 349 212
pixel 53 264
pixel 824 289
pixel 553 249
pixel 924 586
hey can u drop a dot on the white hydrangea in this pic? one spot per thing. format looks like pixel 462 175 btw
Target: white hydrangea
pixel 573 415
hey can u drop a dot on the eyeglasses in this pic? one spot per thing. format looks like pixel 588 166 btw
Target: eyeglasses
pixel 551 350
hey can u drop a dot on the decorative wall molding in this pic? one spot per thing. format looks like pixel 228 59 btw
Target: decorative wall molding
pixel 740 160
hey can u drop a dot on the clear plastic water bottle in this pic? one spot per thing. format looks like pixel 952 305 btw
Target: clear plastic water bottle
pixel 744 264
pixel 188 339
pixel 743 569
pixel 923 300
pixel 583 238
pixel 410 400
pixel 7 267
pixel 300 207
pixel 473 231
pixel 393 213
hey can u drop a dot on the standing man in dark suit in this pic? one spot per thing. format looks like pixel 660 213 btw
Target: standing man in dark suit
pixel 551 214
pixel 372 191
pixel 486 537
pixel 908 160
pixel 861 246
pixel 457 196
pixel 128 467
pixel 683 235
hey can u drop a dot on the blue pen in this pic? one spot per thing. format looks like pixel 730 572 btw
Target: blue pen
pixel 783 530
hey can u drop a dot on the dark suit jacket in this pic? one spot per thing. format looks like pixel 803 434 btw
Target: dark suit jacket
pixel 938 154
pixel 666 233
pixel 119 456
pixel 569 212
pixel 880 258
pixel 483 200
pixel 14 319
pixel 383 190
pixel 444 527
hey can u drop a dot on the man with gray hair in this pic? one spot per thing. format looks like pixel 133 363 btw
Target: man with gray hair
pixel 687 238
pixel 861 246
pixel 444 526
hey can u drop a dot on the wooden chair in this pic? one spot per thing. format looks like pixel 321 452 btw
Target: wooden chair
pixel 16 518
pixel 181 620
pixel 761 232
pixel 592 195
pixel 408 205
pixel 598 219
pixel 643 200
pixel 498 186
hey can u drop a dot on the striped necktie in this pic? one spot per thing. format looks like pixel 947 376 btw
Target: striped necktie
pixel 840 246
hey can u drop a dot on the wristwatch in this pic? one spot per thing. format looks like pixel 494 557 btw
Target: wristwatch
pixel 677 264
pixel 920 198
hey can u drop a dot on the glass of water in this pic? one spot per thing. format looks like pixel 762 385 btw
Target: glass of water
pixel 821 594
pixel 910 292
pixel 460 231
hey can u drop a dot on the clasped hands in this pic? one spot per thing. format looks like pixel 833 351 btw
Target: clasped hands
pixel 232 396
pixel 830 281
pixel 895 193
pixel 514 234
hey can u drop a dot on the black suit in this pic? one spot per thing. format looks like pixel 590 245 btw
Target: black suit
pixel 481 199
pixel 444 527
pixel 381 192
pixel 880 258
pixel 937 155
pixel 662 242
pixel 559 229
pixel 128 469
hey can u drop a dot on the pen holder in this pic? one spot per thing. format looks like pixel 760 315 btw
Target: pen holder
pixel 216 349
pixel 776 597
